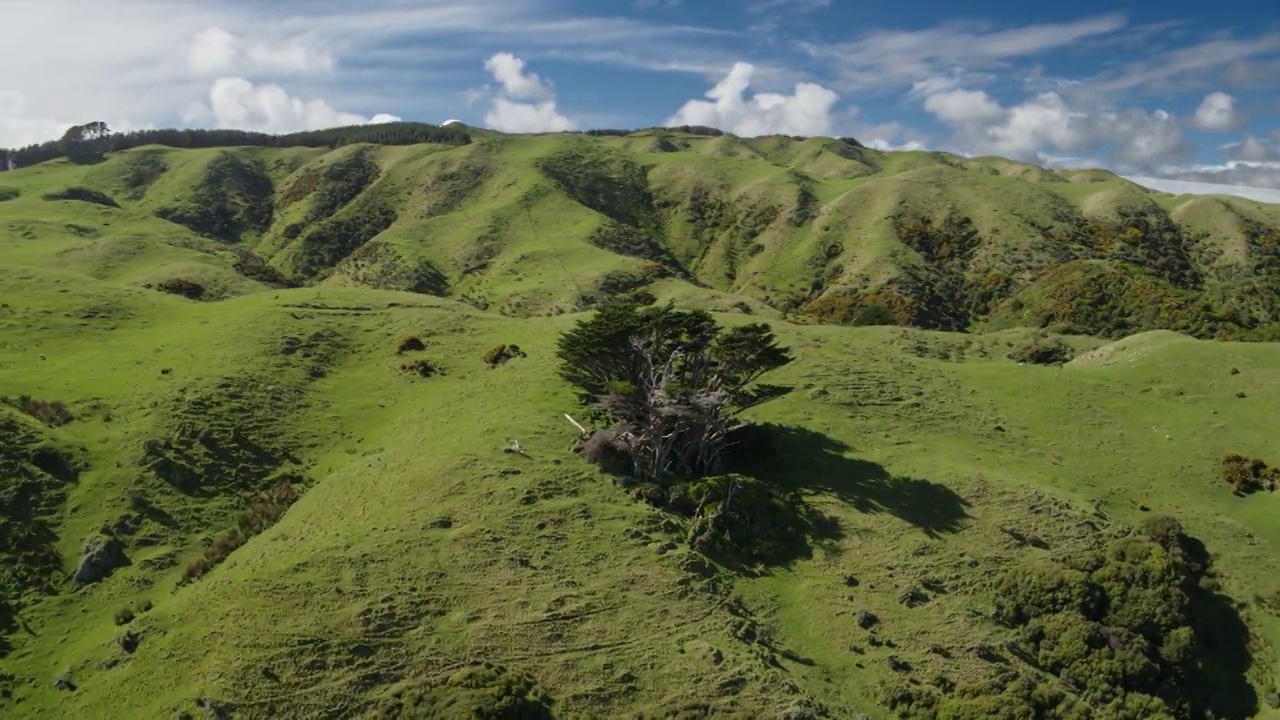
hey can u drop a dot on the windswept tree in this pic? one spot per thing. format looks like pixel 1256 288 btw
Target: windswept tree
pixel 84 144
pixel 672 383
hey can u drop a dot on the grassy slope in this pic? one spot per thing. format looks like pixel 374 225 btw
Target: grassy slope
pixel 923 462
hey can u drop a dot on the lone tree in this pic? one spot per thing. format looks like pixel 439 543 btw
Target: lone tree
pixel 84 144
pixel 672 383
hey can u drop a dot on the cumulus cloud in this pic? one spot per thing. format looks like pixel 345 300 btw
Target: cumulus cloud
pixel 1217 112
pixel 1192 187
pixel 525 103
pixel 215 51
pixel 1243 173
pixel 238 103
pixel 807 111
pixel 1144 139
pixel 1023 132
pixel 1251 149
pixel 1045 125
pixel 963 107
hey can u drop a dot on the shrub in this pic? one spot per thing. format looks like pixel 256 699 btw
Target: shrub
pixel 1128 628
pixel 9 193
pixel 411 344
pixel 185 288
pixel 124 616
pixel 1246 475
pixel 1043 352
pixel 1165 531
pixel 82 194
pixel 501 353
pixel 874 314
pixel 53 414
pixel 424 368
pixel 265 508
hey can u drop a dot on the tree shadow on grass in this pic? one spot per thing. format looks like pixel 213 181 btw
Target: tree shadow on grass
pixel 1219 683
pixel 799 459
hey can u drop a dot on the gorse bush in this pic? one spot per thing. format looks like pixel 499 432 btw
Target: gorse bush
pixel 499 354
pixel 1246 475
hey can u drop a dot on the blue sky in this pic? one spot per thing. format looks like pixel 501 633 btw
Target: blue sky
pixel 1174 90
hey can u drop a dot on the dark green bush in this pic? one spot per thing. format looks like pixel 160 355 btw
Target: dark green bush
pixel 82 194
pixel 124 616
pixel 874 314
pixel 1044 352
pixel 1131 628
pixel 9 193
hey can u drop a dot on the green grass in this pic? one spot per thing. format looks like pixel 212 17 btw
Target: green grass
pixel 418 546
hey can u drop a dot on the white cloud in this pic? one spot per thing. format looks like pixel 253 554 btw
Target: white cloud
pixel 1022 132
pixel 508 70
pixel 1146 140
pixel 807 111
pixel 525 103
pixel 237 103
pixel 1046 125
pixel 215 51
pixel 1217 112
pixel 1174 69
pixel 889 58
pixel 1251 149
pixel 1244 173
pixel 963 107
pixel 1179 187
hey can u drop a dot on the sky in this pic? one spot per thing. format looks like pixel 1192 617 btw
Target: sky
pixel 1177 93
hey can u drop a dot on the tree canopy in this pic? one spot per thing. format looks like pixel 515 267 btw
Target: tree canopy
pixel 671 380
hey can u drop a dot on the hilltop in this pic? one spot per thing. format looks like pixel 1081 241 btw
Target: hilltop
pixel 259 404
pixel 818 228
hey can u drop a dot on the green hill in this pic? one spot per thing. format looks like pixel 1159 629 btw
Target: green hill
pixel 254 459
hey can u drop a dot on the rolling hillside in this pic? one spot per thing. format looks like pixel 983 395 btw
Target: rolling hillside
pixel 256 460
pixel 819 227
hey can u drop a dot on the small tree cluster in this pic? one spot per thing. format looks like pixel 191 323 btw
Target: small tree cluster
pixel 1131 631
pixel 671 382
pixel 1246 475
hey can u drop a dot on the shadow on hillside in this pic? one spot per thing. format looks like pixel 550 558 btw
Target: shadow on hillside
pixel 805 460
pixel 1219 683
